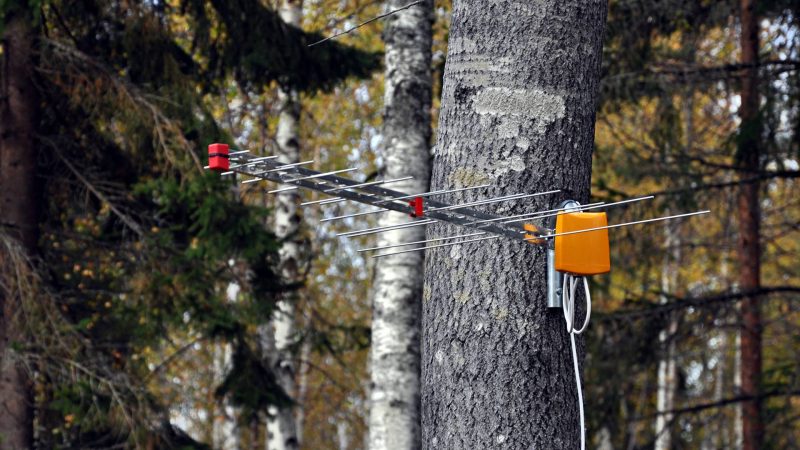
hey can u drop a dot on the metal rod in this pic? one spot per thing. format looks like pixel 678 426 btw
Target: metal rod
pixel 410 225
pixel 286 189
pixel 319 175
pixel 332 200
pixel 436 246
pixel 492 200
pixel 240 152
pixel 329 219
pixel 287 166
pixel 384 228
pixel 535 213
pixel 371 183
pixel 250 162
pixel 585 207
pixel 428 194
pixel 422 242
pixel 323 201
pixel 657 219
pixel 277 169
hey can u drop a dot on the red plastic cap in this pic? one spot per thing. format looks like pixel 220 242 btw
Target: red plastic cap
pixel 419 207
pixel 218 157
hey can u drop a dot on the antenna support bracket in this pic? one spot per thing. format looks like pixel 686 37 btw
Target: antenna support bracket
pixel 554 281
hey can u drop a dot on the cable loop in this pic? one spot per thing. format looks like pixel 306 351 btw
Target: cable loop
pixel 569 316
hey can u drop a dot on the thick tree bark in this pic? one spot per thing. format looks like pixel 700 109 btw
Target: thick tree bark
pixel 397 292
pixel 18 213
pixel 282 428
pixel 749 247
pixel 518 109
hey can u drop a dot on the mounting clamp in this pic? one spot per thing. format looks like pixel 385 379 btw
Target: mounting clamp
pixel 554 280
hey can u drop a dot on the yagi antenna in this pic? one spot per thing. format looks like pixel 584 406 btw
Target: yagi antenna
pixel 574 239
pixel 577 242
pixel 450 207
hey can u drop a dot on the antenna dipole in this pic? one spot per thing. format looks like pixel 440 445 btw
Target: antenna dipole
pixel 421 207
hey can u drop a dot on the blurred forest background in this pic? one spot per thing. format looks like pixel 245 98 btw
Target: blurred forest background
pixel 140 299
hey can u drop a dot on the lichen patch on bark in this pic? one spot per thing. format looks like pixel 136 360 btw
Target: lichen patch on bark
pixel 467 176
pixel 516 104
pixel 500 314
pixel 461 297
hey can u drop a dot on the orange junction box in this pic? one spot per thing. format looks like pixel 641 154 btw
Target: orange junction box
pixel 582 253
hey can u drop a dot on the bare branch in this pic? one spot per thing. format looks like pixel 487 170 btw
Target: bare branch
pixel 686 302
pixel 367 22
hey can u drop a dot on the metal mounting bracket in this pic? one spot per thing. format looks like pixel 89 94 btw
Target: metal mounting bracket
pixel 554 280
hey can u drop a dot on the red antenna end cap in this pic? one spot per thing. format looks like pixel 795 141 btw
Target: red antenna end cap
pixel 218 158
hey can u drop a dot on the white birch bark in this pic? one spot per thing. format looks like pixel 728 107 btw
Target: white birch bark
pixel 738 429
pixel 394 421
pixel 281 426
pixel 342 435
pixel 667 368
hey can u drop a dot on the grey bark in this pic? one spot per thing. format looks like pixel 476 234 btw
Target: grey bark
pixel 18 214
pixel 282 428
pixel 397 290
pixel 518 109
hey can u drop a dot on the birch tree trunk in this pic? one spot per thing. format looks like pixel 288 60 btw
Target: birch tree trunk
pixel 667 377
pixel 738 419
pixel 397 292
pixel 18 213
pixel 748 159
pixel 518 108
pixel 282 428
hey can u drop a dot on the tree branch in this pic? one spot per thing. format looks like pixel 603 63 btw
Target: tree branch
pixel 686 302
pixel 367 22
pixel 718 404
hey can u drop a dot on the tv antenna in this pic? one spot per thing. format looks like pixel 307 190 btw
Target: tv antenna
pixel 576 239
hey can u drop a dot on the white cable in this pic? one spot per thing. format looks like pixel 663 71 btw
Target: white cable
pixel 569 316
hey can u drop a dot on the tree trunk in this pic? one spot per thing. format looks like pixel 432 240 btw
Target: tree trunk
pixel 667 379
pixel 18 213
pixel 301 398
pixel 518 109
pixel 749 248
pixel 397 292
pixel 282 428
pixel 342 435
pixel 738 421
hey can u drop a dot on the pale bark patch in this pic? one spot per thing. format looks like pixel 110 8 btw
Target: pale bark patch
pixel 516 105
pixel 461 297
pixel 500 314
pixel 467 176
pixel 462 45
pixel 426 293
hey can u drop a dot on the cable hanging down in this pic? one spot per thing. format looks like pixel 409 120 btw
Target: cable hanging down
pixel 571 281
